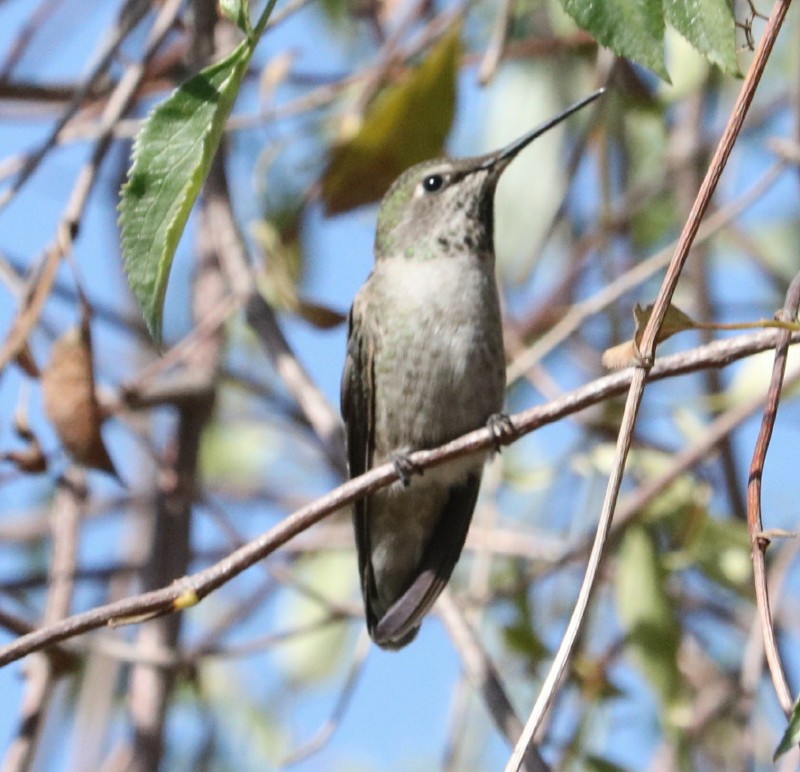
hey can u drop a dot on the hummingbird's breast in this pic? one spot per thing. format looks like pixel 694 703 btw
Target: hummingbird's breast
pixel 439 365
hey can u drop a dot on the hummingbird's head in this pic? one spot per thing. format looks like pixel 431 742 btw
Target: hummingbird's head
pixel 439 206
pixel 446 206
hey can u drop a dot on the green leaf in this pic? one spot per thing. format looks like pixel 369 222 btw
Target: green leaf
pixel 791 737
pixel 721 550
pixel 645 610
pixel 319 652
pixel 407 123
pixel 234 454
pixel 171 157
pixel 599 764
pixel 520 637
pixel 709 26
pixel 236 11
pixel 630 28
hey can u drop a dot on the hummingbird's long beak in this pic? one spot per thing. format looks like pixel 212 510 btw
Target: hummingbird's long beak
pixel 509 151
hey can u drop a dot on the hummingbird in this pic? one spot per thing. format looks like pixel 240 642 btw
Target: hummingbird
pixel 425 364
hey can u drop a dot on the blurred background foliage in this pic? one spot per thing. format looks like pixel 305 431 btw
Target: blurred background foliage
pixel 339 98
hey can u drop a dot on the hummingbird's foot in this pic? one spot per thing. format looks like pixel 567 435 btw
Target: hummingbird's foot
pixel 405 467
pixel 502 429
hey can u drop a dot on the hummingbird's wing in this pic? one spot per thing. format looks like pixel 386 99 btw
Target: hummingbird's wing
pixel 400 623
pixel 357 394
pixel 357 403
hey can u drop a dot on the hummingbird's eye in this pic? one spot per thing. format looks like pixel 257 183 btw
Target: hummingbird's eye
pixel 432 183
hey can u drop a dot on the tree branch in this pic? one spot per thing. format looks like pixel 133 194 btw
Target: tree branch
pixel 190 590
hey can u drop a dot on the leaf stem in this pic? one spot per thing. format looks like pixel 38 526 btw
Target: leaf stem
pixel 261 24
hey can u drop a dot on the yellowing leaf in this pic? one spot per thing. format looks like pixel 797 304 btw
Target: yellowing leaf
pixel 282 268
pixel 282 264
pixel 407 123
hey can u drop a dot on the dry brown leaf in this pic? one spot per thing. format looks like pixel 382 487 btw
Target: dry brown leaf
pixel 675 321
pixel 70 401
pixel 626 354
pixel 619 356
pixel 26 361
pixel 29 459
pixel 407 122
pixel 319 316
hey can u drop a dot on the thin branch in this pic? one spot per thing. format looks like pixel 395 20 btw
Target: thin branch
pixel 711 179
pixel 26 34
pixel 758 540
pixel 192 589
pixel 125 651
pixel 150 687
pixel 480 568
pixel 686 143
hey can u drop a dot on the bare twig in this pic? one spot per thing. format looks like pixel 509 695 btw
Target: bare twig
pixel 192 589
pixel 26 34
pixel 480 567
pixel 758 540
pixel 169 525
pixel 686 147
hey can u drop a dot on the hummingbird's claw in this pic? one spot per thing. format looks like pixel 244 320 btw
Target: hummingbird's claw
pixel 502 429
pixel 405 467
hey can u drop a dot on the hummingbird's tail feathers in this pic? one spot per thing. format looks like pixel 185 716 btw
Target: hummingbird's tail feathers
pixel 400 624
